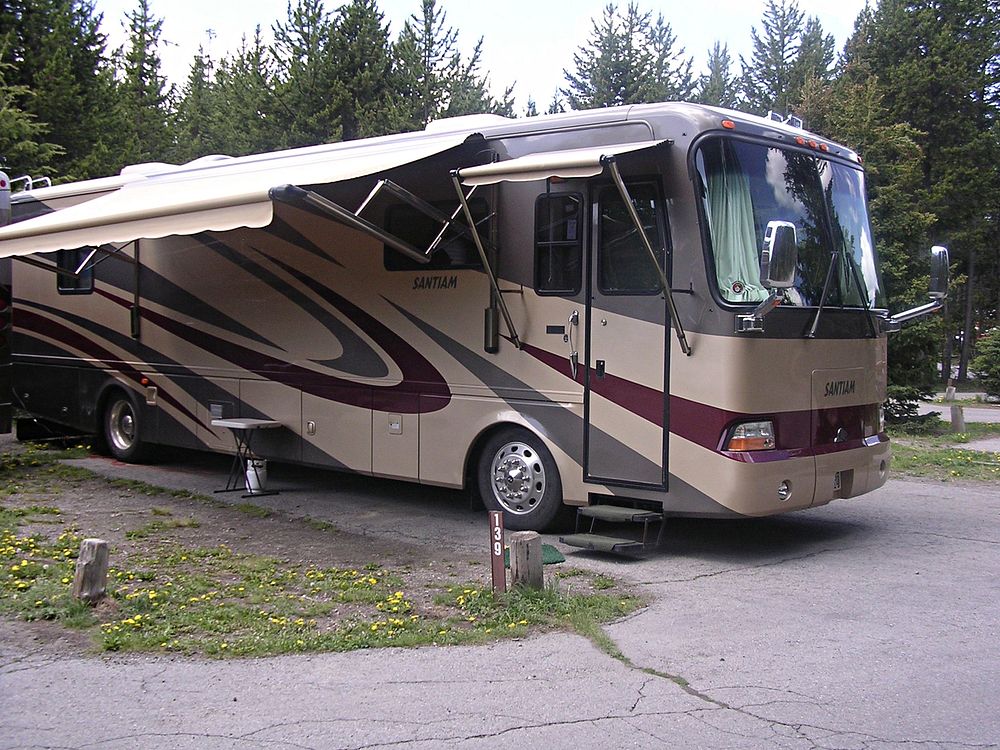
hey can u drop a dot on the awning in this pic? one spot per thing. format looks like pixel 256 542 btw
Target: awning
pixel 217 196
pixel 577 162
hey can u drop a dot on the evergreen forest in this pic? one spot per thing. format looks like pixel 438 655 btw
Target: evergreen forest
pixel 915 90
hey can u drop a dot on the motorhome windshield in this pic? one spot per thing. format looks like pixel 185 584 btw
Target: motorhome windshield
pixel 745 185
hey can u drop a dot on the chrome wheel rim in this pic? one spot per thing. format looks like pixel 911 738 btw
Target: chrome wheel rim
pixel 121 423
pixel 517 477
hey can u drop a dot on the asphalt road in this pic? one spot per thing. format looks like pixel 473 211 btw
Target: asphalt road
pixel 867 624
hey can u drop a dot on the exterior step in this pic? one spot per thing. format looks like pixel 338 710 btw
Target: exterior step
pixel 618 514
pixel 602 543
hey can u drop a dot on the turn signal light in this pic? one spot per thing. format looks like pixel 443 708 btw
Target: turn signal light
pixel 751 436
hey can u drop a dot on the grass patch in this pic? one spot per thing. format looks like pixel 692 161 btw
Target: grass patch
pixel 319 525
pixel 937 432
pixel 485 616
pixel 168 595
pixel 155 527
pixel 945 463
pixel 929 449
pixel 250 509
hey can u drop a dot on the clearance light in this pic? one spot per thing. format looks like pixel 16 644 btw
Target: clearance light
pixel 751 436
pixel 800 140
pixel 144 381
pixel 729 125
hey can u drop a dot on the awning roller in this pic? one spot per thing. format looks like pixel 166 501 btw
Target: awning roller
pixel 577 162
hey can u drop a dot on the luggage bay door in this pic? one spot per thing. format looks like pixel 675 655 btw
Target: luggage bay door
pixel 625 406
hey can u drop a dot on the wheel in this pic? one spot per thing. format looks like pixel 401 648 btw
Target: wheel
pixel 123 428
pixel 517 475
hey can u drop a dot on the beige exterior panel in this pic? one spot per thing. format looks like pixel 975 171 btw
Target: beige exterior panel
pixel 743 367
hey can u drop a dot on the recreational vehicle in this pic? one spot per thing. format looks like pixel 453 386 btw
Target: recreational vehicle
pixel 668 307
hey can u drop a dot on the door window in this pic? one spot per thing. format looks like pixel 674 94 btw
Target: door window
pixel 623 262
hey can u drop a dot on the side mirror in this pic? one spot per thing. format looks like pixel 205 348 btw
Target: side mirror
pixel 779 256
pixel 938 292
pixel 939 272
pixel 778 260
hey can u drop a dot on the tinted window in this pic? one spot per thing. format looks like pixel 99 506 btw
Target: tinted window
pixel 558 243
pixel 455 250
pixel 70 260
pixel 623 262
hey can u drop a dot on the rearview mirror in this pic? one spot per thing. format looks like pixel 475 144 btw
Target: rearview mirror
pixel 938 292
pixel 939 272
pixel 779 256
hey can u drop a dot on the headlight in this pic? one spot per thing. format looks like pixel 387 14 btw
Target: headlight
pixel 751 436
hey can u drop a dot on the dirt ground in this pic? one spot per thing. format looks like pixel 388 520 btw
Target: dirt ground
pixel 95 507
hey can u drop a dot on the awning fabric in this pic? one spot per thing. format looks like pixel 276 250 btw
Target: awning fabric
pixel 577 162
pixel 216 196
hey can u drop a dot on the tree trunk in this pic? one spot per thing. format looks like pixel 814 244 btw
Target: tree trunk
pixel 946 351
pixel 967 333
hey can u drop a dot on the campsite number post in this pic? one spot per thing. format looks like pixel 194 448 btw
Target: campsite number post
pixel 496 552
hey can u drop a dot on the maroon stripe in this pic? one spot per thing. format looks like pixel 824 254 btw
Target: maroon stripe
pixel 639 399
pixel 39 324
pixel 797 433
pixel 419 376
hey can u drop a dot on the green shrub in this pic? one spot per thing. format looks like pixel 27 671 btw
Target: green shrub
pixel 986 365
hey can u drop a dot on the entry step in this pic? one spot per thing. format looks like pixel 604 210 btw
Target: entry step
pixel 618 514
pixel 600 543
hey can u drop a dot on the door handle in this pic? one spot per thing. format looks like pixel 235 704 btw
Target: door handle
pixel 599 367
pixel 570 338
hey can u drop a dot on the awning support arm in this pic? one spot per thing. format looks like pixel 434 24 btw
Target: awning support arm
pixel 294 195
pixel 486 261
pixel 627 198
pixel 108 251
pixel 51 267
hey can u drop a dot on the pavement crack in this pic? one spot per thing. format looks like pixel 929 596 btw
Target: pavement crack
pixel 743 568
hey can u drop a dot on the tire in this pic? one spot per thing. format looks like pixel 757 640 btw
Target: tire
pixel 122 432
pixel 517 475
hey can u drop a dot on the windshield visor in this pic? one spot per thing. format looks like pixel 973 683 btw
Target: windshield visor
pixel 746 185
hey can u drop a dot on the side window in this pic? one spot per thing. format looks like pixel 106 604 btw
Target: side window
pixel 558 243
pixel 455 250
pixel 70 260
pixel 623 263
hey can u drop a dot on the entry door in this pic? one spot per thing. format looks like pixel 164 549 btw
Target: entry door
pixel 625 398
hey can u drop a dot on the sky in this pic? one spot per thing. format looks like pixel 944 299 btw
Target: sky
pixel 526 42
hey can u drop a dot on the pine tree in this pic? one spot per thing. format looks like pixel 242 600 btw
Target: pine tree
pixel 242 117
pixel 57 57
pixel 144 98
pixel 766 82
pixel 629 58
pixel 424 55
pixel 367 100
pixel 938 62
pixel 432 77
pixel 193 118
pixel 24 149
pixel 468 90
pixel 305 85
pixel 718 86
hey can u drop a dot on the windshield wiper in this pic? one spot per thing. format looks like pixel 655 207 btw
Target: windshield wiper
pixel 835 260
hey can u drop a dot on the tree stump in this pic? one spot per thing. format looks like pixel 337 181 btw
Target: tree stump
pixel 526 560
pixel 90 583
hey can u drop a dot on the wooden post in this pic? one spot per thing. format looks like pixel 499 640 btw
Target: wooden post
pixel 957 411
pixel 90 583
pixel 496 553
pixel 526 560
